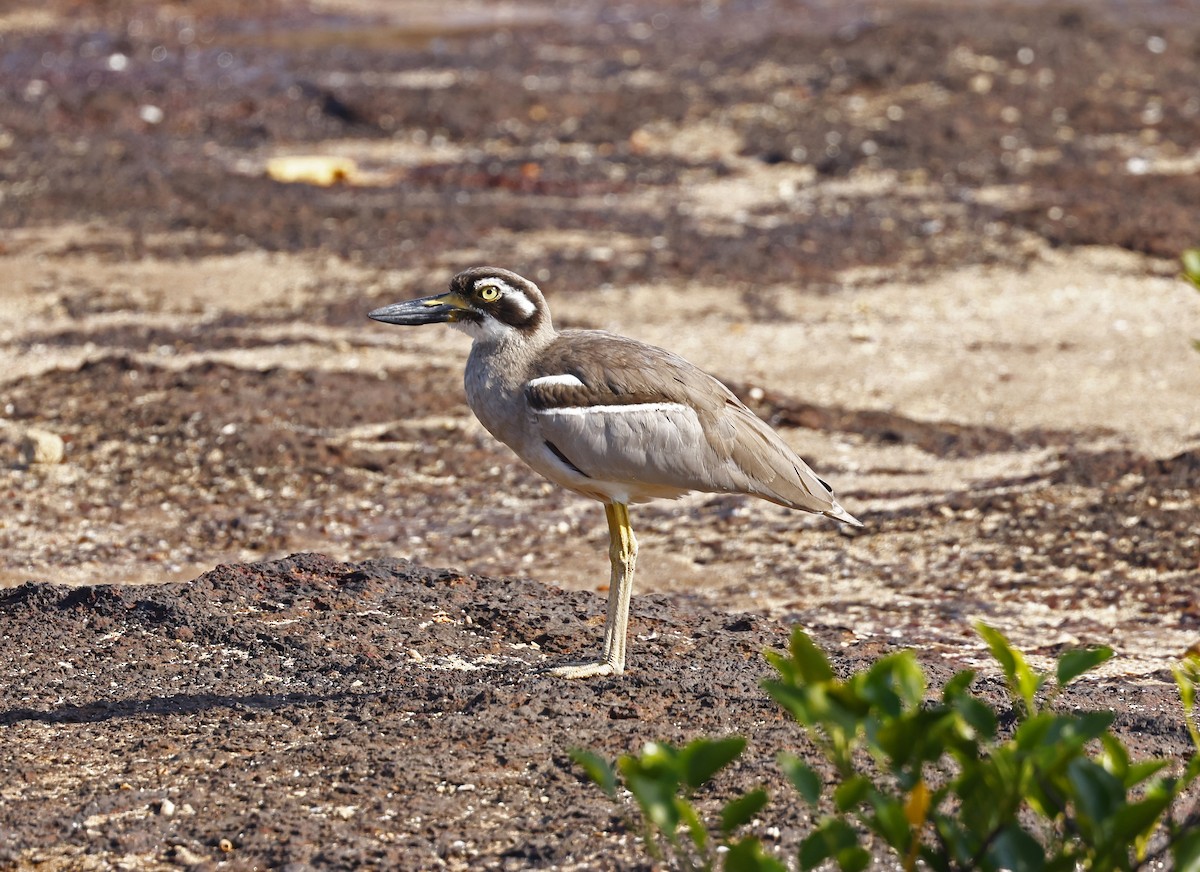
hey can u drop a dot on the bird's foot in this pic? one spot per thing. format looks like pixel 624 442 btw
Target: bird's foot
pixel 596 669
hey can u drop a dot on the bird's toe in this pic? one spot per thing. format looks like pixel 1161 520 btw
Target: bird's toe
pixel 597 669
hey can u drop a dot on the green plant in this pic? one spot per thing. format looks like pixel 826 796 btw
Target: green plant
pixel 1191 272
pixel 662 779
pixel 1191 266
pixel 937 781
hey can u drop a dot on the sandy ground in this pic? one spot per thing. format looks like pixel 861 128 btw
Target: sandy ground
pixel 935 246
pixel 1092 342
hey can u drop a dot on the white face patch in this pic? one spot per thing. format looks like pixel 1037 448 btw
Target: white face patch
pixel 568 381
pixel 488 328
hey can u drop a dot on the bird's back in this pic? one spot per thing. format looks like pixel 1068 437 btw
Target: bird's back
pixel 616 408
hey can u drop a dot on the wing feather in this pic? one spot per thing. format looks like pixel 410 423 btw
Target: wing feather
pixel 621 410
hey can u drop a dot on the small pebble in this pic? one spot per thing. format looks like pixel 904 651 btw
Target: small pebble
pixel 185 856
pixel 41 446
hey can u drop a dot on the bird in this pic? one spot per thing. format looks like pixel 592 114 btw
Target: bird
pixel 610 418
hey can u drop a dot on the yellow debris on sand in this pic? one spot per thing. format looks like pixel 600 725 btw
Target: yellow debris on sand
pixel 312 169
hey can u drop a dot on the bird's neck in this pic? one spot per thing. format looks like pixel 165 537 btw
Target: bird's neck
pixel 506 357
pixel 509 343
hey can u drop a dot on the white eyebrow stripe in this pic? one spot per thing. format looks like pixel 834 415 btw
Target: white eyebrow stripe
pixel 521 301
pixel 566 380
pixel 499 284
pixel 629 409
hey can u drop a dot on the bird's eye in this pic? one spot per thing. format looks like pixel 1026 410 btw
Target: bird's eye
pixel 489 293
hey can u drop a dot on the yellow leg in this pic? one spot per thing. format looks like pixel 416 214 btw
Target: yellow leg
pixel 622 554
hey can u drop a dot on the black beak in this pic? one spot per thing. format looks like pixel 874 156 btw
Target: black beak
pixel 427 310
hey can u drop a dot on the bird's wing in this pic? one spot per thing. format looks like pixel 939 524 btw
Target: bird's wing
pixel 776 473
pixel 619 410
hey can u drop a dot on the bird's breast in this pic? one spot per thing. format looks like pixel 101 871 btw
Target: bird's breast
pixel 495 393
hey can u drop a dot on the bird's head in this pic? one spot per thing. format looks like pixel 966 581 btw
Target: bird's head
pixel 485 302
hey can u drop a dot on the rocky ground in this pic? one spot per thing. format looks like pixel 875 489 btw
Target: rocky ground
pixel 935 244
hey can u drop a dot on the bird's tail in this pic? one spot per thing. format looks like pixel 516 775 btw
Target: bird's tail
pixel 840 514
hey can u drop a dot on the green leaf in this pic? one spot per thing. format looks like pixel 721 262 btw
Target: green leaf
pixel 805 702
pixel 695 828
pixel 802 776
pixel 1186 852
pixel 701 759
pixel 891 822
pixel 1023 682
pixel 1187 677
pixel 975 713
pixel 1192 771
pixel 958 686
pixel 1016 850
pixel 1136 821
pixel 1098 794
pixel 1143 769
pixel 657 760
pixel 656 798
pixel 1114 757
pixel 747 855
pixel 853 859
pixel 978 715
pixel 909 679
pixel 832 838
pixel 1187 685
pixel 740 810
pixel 892 685
pixel 851 792
pixel 1001 650
pixel 796 701
pixel 813 665
pixel 653 779
pixel 823 709
pixel 1073 664
pixel 903 739
pixel 1050 738
pixel 599 770
pixel 1191 265
pixel 1092 725
pixel 781 664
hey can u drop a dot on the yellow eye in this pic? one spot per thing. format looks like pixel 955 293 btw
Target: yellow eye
pixel 489 293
